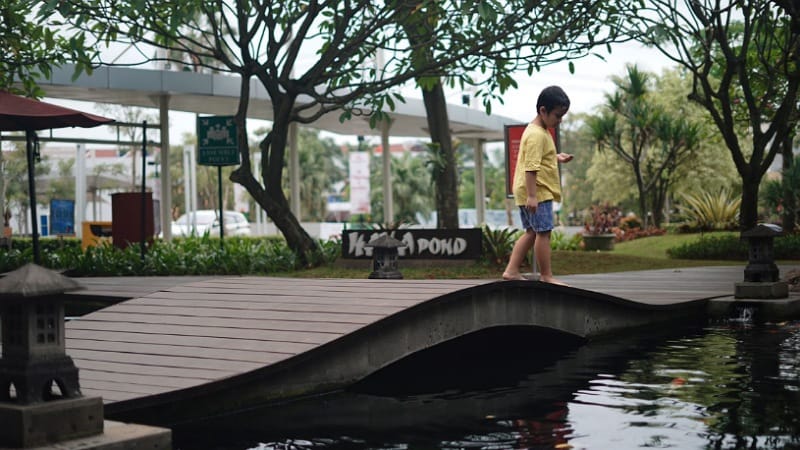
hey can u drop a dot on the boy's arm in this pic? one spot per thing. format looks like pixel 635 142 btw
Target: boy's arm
pixel 530 186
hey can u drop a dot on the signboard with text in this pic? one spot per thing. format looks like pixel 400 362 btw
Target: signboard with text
pixel 359 183
pixel 217 142
pixel 463 243
pixel 62 216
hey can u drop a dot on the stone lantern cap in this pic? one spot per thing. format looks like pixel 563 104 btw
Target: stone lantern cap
pixel 32 280
pixel 763 230
pixel 385 241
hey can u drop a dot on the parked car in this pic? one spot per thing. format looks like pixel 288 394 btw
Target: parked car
pixel 207 221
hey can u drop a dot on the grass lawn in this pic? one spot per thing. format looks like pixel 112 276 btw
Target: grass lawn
pixel 640 254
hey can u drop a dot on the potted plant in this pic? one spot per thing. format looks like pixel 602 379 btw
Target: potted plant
pixel 600 227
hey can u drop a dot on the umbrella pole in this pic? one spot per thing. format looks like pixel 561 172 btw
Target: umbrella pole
pixel 30 137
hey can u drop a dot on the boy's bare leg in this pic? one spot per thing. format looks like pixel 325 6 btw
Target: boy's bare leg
pixel 542 251
pixel 521 249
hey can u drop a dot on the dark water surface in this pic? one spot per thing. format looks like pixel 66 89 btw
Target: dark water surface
pixel 723 386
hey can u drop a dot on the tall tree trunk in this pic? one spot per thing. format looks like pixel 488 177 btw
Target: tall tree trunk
pixel 789 216
pixel 446 178
pixel 270 195
pixel 642 195
pixel 748 212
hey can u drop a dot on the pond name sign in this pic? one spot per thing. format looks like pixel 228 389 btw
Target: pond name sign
pixel 463 243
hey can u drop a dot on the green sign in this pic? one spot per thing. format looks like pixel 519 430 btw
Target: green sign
pixel 217 144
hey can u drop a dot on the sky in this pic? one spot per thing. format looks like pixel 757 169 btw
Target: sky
pixel 586 89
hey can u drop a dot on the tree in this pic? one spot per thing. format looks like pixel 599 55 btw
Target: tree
pixel 776 197
pixel 267 42
pixel 744 60
pixel 132 133
pixel 31 47
pixel 548 33
pixel 321 166
pixel 575 139
pixel 650 141
pixel 15 173
pixel 412 190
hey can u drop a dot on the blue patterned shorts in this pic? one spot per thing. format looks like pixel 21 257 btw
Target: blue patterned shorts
pixel 541 221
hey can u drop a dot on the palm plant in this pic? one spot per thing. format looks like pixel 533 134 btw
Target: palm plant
pixel 498 243
pixel 411 189
pixel 707 211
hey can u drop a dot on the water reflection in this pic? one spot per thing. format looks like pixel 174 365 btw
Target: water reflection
pixel 718 387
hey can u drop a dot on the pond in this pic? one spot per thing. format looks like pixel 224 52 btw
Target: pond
pixel 725 385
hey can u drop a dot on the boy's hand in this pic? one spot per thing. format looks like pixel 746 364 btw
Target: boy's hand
pixel 564 157
pixel 532 204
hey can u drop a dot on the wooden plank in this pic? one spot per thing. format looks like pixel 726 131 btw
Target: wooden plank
pixel 108 395
pixel 305 336
pixel 133 388
pixel 188 341
pixel 238 313
pixel 289 325
pixel 250 303
pixel 270 354
pixel 381 305
pixel 202 375
pixel 296 293
pixel 159 383
pixel 162 361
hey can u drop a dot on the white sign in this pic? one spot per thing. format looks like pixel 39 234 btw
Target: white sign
pixel 359 183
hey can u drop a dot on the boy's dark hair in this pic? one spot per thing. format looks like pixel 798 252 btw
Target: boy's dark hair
pixel 551 98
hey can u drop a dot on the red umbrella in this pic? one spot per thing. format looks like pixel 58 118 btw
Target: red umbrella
pixel 24 114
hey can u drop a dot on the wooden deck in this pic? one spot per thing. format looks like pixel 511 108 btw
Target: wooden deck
pixel 189 334
pixel 180 333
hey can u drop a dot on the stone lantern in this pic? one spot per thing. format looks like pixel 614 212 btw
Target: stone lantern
pixel 40 398
pixel 384 258
pixel 761 276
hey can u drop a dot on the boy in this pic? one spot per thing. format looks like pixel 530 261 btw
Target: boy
pixel 537 185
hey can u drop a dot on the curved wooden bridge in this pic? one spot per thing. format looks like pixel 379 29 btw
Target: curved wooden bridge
pixel 184 351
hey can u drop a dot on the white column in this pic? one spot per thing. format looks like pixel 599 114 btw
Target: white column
pixel 166 192
pixel 388 195
pixel 80 189
pixel 192 206
pixel 480 183
pixel 294 171
pixel 261 228
pixel 187 177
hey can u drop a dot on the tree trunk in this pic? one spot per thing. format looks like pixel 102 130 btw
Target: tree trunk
pixel 642 200
pixel 270 195
pixel 789 197
pixel 445 179
pixel 748 211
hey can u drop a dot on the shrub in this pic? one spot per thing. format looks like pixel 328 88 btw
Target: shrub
pixel 787 247
pixel 602 219
pixel 723 247
pixel 185 256
pixel 498 243
pixel 630 222
pixel 707 212
pixel 636 233
pixel 731 247
pixel 560 241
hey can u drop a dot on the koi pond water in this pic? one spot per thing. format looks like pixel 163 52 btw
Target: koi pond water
pixel 731 385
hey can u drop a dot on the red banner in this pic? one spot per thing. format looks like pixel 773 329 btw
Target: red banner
pixel 513 136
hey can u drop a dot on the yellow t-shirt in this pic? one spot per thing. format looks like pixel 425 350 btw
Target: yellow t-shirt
pixel 537 153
